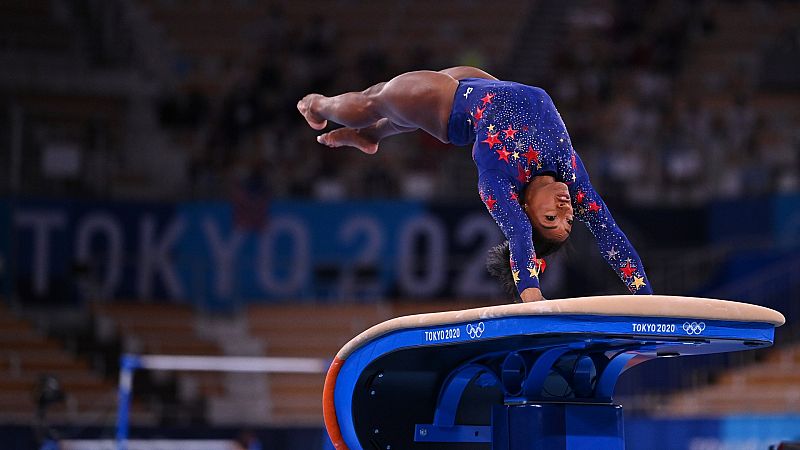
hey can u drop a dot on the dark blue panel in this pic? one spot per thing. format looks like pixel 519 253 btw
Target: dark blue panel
pixel 537 427
pixel 648 434
pixel 599 427
pixel 5 250
pixel 786 219
pixel 740 220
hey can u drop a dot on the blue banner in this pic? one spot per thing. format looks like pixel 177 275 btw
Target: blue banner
pixel 305 250
pixel 203 252
pixel 786 219
pixel 756 219
pixel 334 250
pixel 740 220
pixel 62 250
pixel 67 250
pixel 5 250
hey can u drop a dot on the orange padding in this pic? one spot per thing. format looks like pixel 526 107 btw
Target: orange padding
pixel 328 406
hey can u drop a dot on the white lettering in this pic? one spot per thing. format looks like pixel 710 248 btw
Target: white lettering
pixel 479 233
pixel 428 277
pixel 96 224
pixel 653 327
pixel 154 257
pixel 224 254
pixel 442 335
pixel 368 232
pixel 42 223
pixel 298 271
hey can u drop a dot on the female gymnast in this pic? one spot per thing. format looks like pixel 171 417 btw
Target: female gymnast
pixel 529 177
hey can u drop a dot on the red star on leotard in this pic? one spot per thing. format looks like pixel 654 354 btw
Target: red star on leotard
pixel 628 269
pixel 522 174
pixel 594 207
pixel 487 98
pixel 531 155
pixel 490 202
pixel 503 154
pixel 478 113
pixel 514 196
pixel 510 132
pixel 540 263
pixel 580 196
pixel 492 139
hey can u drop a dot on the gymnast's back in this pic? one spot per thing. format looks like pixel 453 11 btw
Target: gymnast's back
pixel 516 129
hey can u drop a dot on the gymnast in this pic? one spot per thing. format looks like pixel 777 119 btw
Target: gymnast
pixel 529 176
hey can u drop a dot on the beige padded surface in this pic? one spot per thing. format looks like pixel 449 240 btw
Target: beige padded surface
pixel 610 305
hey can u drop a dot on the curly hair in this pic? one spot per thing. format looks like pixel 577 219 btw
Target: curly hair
pixel 499 266
pixel 497 263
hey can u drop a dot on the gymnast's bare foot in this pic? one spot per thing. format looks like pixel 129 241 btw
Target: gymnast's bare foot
pixel 306 108
pixel 349 137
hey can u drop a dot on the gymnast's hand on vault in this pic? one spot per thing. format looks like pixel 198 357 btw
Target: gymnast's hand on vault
pixel 532 295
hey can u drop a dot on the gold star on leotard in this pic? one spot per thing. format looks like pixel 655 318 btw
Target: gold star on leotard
pixel 491 128
pixel 534 272
pixel 638 282
pixel 515 273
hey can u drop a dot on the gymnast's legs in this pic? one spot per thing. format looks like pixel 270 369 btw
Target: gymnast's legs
pixel 410 101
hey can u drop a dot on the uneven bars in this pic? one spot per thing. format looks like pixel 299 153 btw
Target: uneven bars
pixel 130 363
pixel 233 364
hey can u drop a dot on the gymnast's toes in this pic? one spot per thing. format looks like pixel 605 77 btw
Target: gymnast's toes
pixel 306 109
pixel 348 137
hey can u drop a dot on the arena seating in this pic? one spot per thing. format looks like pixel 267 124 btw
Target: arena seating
pixel 728 61
pixel 211 36
pixel 30 25
pixel 310 331
pixel 772 387
pixel 26 355
pixel 206 38
pixel 151 328
pixel 156 328
pixel 734 50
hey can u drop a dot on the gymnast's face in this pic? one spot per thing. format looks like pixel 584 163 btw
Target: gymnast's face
pixel 549 209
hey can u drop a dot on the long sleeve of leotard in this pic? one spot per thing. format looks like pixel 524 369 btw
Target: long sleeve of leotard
pixel 612 242
pixel 500 198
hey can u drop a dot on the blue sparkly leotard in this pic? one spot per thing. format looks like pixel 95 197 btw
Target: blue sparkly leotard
pixel 518 135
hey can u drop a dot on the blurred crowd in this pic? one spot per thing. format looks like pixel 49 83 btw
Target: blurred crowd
pixel 657 129
pixel 254 141
pixel 667 103
pixel 652 125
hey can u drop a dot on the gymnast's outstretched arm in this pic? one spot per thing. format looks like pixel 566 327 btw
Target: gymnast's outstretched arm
pixel 611 241
pixel 499 196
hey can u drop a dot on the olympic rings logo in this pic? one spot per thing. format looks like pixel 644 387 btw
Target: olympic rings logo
pixel 694 327
pixel 475 331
